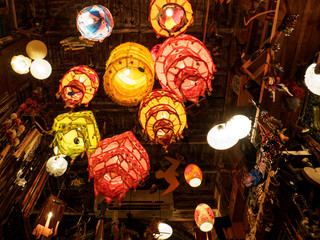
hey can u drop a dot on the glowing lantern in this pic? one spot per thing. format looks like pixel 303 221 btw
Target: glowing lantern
pixel 95 23
pixel 185 67
pixel 129 74
pixel 76 133
pixel 20 64
pixel 56 165
pixel 312 78
pixel 78 86
pixel 193 175
pixel 171 17
pixel 36 49
pixel 204 217
pixel 239 126
pixel 218 137
pixel 40 69
pixel 165 231
pixel 154 51
pixel 162 117
pixel 118 164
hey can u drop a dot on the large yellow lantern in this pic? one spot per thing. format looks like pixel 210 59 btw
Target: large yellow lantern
pixel 170 18
pixel 162 117
pixel 76 133
pixel 129 75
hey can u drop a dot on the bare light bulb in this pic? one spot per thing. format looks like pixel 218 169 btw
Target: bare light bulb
pixel 169 12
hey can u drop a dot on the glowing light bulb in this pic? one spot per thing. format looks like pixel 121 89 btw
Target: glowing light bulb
pixel 89 21
pixel 169 12
pixel 127 72
pixel 20 64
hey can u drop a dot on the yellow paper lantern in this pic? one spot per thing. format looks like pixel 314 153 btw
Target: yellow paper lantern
pixel 20 64
pixel 162 117
pixel 76 133
pixel 36 49
pixel 170 18
pixel 129 75
pixel 40 69
pixel 204 217
pixel 193 175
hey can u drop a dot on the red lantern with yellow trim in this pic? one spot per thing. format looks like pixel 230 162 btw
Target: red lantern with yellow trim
pixel 193 175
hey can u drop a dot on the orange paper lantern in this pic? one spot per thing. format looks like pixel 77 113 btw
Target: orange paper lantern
pixel 193 175
pixel 204 217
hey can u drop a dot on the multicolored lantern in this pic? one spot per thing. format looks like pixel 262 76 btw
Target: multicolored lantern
pixel 78 86
pixel 20 64
pixel 185 67
pixel 76 133
pixel 118 164
pixel 129 75
pixel 95 23
pixel 204 217
pixel 171 17
pixel 193 175
pixel 163 117
pixel 57 165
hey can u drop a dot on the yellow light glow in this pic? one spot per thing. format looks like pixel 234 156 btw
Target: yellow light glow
pixel 195 182
pixel 40 69
pixel 50 215
pixel 165 231
pixel 127 72
pixel 219 138
pixel 239 126
pixel 206 227
pixel 169 12
pixel 20 64
pixel 36 49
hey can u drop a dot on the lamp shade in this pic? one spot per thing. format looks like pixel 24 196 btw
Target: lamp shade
pixel 204 217
pixel 129 75
pixel 75 133
pixel 238 126
pixel 171 17
pixel 118 164
pixel 40 69
pixel 36 49
pixel 165 231
pixel 185 67
pixel 20 64
pixel 218 137
pixel 162 117
pixel 78 86
pixel 312 79
pixel 56 165
pixel 193 175
pixel 95 23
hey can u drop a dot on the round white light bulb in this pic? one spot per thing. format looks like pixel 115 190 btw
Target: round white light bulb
pixel 206 227
pixel 20 64
pixel 312 79
pixel 219 138
pixel 165 231
pixel 40 69
pixel 127 72
pixel 195 182
pixel 169 12
pixel 239 126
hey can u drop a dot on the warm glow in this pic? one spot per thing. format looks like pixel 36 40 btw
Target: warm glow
pixel 218 138
pixel 57 165
pixel 195 182
pixel 165 231
pixel 169 12
pixel 20 64
pixel 206 227
pixel 36 49
pixel 193 175
pixel 40 69
pixel 312 79
pixel 204 217
pixel 239 126
pixel 50 215
pixel 127 72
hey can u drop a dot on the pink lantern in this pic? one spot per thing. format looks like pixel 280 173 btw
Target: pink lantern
pixel 193 175
pixel 185 67
pixel 118 164
pixel 154 51
pixel 204 217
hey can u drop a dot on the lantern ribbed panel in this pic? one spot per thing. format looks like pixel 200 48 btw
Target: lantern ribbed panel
pixel 118 164
pixel 204 217
pixel 129 75
pixel 170 26
pixel 78 86
pixel 185 67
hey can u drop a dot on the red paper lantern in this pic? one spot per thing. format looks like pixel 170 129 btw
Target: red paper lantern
pixel 117 165
pixel 193 175
pixel 204 217
pixel 185 67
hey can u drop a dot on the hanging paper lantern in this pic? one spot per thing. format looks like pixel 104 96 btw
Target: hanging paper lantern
pixel 154 51
pixel 20 64
pixel 162 117
pixel 171 17
pixel 218 137
pixel 117 165
pixel 204 217
pixel 193 175
pixel 50 216
pixel 76 133
pixel 57 165
pixel 312 79
pixel 78 86
pixel 36 49
pixel 95 23
pixel 185 67
pixel 239 126
pixel 40 69
pixel 129 75
pixel 165 231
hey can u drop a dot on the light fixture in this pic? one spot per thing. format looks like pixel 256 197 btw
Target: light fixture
pixel 312 78
pixel 36 49
pixel 204 217
pixel 165 231
pixel 193 175
pixel 219 138
pixel 20 64
pixel 56 165
pixel 238 126
pixel 40 69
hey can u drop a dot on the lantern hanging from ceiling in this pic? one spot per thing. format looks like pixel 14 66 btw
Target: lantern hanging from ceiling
pixel 193 175
pixel 36 49
pixel 40 69
pixel 95 23
pixel 163 117
pixel 185 67
pixel 312 78
pixel 170 18
pixel 129 75
pixel 78 86
pixel 238 126
pixel 117 165
pixel 204 217
pixel 165 231
pixel 20 64
pixel 50 216
pixel 57 165
pixel 75 133
pixel 218 137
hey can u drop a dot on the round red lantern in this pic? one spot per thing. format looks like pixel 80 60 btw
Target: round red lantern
pixel 193 175
pixel 204 217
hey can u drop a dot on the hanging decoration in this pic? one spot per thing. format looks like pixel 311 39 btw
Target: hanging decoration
pixel 50 216
pixel 171 17
pixel 204 217
pixel 36 49
pixel 162 117
pixel 312 78
pixel 57 165
pixel 117 165
pixel 95 23
pixel 193 175
pixel 218 137
pixel 78 86
pixel 185 67
pixel 75 133
pixel 129 75
pixel 40 69
pixel 20 64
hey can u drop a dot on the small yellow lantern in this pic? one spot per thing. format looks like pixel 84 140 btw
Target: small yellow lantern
pixel 163 117
pixel 20 64
pixel 76 133
pixel 129 75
